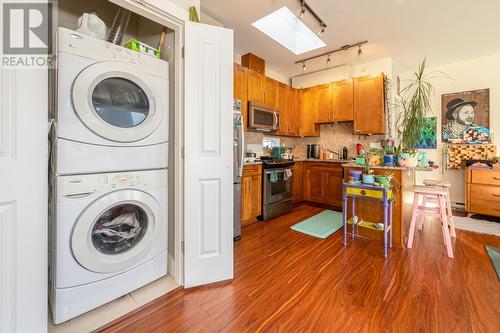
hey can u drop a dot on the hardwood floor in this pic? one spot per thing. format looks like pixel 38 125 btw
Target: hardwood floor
pixel 286 281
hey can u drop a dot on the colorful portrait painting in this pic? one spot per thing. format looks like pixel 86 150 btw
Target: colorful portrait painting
pixel 428 134
pixel 466 117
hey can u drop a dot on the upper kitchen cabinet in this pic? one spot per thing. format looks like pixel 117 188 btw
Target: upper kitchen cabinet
pixel 324 102
pixel 308 126
pixel 240 90
pixel 262 89
pixel 271 88
pixel 283 107
pixel 288 107
pixel 369 113
pixel 293 117
pixel 255 85
pixel 343 100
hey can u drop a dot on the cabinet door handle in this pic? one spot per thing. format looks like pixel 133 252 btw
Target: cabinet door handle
pixel 496 195
pixel 496 178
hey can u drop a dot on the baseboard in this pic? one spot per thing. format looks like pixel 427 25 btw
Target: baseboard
pixel 171 267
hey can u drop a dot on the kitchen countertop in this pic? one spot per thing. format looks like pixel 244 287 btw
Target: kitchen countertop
pixel 253 163
pixel 318 160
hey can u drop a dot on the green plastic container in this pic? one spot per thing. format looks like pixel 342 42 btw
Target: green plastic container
pixel 137 46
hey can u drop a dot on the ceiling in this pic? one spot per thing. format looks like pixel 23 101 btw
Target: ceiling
pixel 406 30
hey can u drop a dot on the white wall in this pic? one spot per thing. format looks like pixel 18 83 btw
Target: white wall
pixel 343 72
pixel 466 75
pixel 269 71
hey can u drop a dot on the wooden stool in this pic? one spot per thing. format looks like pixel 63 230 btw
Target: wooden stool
pixel 446 186
pixel 439 194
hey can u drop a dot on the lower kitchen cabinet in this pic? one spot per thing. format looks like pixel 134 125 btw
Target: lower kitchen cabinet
pixel 297 189
pixel 251 192
pixel 482 192
pixel 323 183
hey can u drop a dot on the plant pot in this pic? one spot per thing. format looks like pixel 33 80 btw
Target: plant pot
pixel 355 174
pixel 408 160
pixel 368 179
pixel 383 180
pixel 389 160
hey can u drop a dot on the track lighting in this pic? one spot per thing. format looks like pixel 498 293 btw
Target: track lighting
pixel 329 53
pixel 304 66
pixel 322 31
pixel 302 10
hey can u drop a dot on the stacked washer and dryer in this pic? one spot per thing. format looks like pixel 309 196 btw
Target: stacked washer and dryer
pixel 109 174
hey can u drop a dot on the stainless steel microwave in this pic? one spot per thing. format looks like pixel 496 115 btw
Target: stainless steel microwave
pixel 263 117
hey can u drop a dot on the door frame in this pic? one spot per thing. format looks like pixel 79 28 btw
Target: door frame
pixel 173 20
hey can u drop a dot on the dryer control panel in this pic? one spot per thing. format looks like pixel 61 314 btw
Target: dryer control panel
pixel 80 186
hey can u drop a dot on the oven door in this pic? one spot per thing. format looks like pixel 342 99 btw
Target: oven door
pixel 279 188
pixel 262 117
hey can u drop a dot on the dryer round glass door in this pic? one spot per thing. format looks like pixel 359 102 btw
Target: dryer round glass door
pixel 114 101
pixel 116 231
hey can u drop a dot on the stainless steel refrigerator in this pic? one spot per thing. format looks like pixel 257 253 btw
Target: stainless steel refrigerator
pixel 238 151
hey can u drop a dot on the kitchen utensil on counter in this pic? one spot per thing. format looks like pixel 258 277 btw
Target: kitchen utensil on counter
pixel 359 148
pixel 313 151
pixel 278 153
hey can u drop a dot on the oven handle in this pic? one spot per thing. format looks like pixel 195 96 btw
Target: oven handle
pixel 278 170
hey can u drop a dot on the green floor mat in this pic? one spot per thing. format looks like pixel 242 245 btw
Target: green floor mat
pixel 494 254
pixel 320 225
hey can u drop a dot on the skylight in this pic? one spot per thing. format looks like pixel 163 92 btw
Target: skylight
pixel 285 28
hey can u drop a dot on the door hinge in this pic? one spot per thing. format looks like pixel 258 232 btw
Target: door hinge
pixel 183 52
pixel 182 247
pixel 182 152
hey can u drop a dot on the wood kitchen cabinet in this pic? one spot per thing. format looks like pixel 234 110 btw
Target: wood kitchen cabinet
pixel 255 86
pixel 482 192
pixel 288 107
pixel 322 183
pixel 240 90
pixel 262 89
pixel 343 101
pixel 284 108
pixel 297 189
pixel 251 193
pixel 308 126
pixel 271 92
pixel 369 111
pixel 323 95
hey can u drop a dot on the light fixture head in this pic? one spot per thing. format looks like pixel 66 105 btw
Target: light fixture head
pixel 302 10
pixel 322 31
pixel 360 51
pixel 304 66
pixel 328 60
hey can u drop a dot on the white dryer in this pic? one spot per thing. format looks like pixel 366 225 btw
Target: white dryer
pixel 108 238
pixel 112 107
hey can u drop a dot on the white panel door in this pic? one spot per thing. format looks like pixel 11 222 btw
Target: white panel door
pixel 23 200
pixel 208 201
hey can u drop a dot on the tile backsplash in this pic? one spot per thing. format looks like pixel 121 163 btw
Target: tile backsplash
pixel 333 136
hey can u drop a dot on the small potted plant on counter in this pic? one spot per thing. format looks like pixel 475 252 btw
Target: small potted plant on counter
pixel 413 104
pixel 368 177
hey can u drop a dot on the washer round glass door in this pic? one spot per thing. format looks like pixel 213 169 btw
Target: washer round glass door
pixel 116 231
pixel 114 102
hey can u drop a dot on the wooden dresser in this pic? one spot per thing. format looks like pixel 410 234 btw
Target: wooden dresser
pixel 482 192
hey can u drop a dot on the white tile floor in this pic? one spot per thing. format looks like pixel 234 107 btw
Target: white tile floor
pixel 113 310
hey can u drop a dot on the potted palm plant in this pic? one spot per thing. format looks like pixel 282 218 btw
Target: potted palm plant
pixel 413 104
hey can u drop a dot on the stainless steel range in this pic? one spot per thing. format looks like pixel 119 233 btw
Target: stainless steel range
pixel 277 186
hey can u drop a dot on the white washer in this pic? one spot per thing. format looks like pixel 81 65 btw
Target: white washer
pixel 112 107
pixel 108 238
